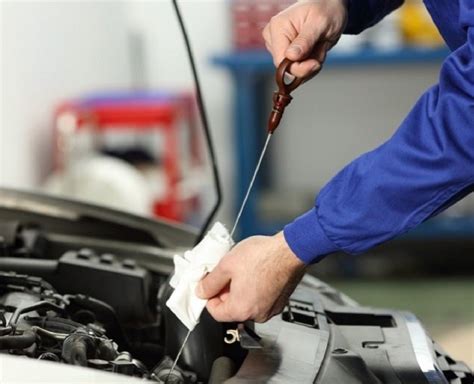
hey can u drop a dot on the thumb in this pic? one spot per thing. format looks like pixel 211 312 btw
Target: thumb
pixel 303 44
pixel 212 284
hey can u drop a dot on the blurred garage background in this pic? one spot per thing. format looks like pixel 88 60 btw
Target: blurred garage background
pixel 98 103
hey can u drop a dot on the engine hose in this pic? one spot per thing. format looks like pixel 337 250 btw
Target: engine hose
pixel 55 324
pixel 5 330
pixel 34 307
pixel 49 334
pixel 29 266
pixel 12 278
pixel 25 340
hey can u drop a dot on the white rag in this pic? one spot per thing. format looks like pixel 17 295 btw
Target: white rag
pixel 191 268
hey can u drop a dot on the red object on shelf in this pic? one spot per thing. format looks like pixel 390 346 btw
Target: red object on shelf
pixel 249 17
pixel 140 112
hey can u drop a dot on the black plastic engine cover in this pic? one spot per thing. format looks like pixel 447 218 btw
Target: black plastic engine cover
pixel 122 284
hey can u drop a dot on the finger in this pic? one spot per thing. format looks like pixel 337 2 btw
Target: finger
pixel 302 46
pixel 219 309
pixel 313 64
pixel 224 293
pixel 213 283
pixel 228 310
pixel 280 41
pixel 306 68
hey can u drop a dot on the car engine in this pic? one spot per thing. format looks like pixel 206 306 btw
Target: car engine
pixel 38 322
pixel 94 310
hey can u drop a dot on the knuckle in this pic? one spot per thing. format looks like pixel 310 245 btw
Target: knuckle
pixel 275 19
pixel 278 22
pixel 321 23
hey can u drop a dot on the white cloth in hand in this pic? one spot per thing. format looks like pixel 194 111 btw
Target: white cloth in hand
pixel 191 268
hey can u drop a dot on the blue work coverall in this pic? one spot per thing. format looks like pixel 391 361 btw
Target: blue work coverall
pixel 426 166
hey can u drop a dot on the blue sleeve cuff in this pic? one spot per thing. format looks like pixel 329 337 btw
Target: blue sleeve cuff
pixel 307 239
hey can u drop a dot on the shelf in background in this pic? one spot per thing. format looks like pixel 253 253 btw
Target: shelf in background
pixel 262 61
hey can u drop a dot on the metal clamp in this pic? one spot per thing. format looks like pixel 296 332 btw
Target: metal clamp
pixel 247 338
pixel 232 335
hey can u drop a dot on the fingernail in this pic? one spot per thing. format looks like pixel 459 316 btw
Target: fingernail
pixel 295 49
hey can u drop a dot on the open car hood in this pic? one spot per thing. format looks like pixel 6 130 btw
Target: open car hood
pixel 70 217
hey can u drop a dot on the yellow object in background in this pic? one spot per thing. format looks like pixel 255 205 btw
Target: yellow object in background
pixel 417 27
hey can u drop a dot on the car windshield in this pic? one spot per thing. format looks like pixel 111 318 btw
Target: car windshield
pixel 98 105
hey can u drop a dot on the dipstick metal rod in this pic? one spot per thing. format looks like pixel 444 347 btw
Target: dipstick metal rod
pixel 252 182
pixel 178 355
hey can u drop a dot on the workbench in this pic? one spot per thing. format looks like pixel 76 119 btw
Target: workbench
pixel 250 71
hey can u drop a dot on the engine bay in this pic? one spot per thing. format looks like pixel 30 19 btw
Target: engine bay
pixel 40 323
pixel 87 286
pixel 92 308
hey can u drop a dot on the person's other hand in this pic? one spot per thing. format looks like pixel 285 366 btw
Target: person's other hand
pixel 304 33
pixel 253 281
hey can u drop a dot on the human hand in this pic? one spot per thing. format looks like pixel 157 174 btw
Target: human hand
pixel 253 281
pixel 304 32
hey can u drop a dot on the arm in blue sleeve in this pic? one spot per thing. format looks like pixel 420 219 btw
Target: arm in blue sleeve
pixel 427 165
pixel 365 13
